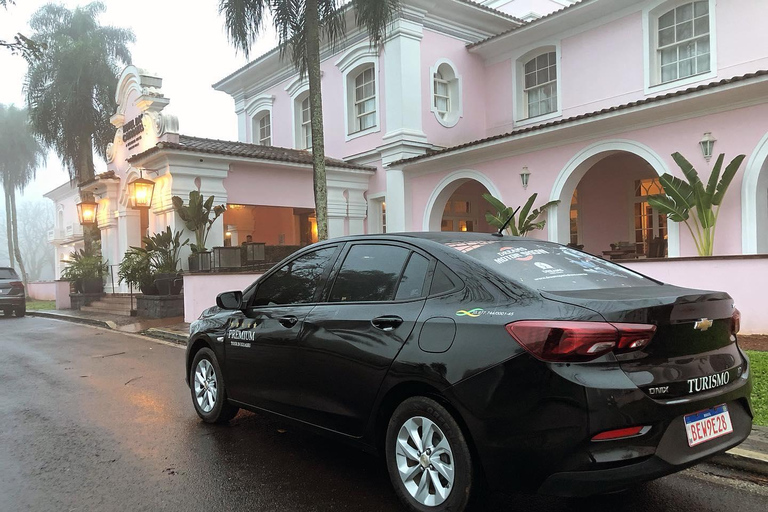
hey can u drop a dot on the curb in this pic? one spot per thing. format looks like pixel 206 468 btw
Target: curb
pixel 106 324
pixel 743 460
pixel 165 335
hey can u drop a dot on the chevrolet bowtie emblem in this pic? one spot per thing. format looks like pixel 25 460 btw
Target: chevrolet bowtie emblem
pixel 703 324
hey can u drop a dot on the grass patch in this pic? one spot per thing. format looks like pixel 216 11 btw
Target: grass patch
pixel 38 305
pixel 759 365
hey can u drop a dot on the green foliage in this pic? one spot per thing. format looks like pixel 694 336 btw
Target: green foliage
pixel 70 89
pixel 135 269
pixel 84 264
pixel 163 250
pixel 526 219
pixel 197 216
pixel 759 366
pixel 21 44
pixel 680 197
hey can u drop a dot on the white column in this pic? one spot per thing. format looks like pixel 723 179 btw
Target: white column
pixel 337 211
pixel 402 82
pixel 395 200
pixel 357 208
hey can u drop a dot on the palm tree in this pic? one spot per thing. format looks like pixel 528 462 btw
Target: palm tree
pixel 71 89
pixel 300 25
pixel 20 156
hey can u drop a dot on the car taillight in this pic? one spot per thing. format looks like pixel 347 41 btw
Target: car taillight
pixel 17 284
pixel 571 341
pixel 735 321
pixel 621 433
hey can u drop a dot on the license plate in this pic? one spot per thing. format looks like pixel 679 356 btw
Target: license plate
pixel 709 424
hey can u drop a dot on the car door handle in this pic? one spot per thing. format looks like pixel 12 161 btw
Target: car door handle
pixel 288 321
pixel 387 323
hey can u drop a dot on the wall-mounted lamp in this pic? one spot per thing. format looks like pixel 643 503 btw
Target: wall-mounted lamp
pixel 140 192
pixel 524 176
pixel 707 144
pixel 86 212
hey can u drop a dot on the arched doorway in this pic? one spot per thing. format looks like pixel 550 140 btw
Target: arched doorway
pixel 754 201
pixel 456 204
pixel 603 192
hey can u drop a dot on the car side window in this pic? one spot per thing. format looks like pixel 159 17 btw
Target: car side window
pixel 296 282
pixel 412 283
pixel 370 273
pixel 442 281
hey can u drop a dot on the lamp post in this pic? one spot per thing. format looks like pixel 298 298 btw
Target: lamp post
pixel 140 193
pixel 707 144
pixel 524 176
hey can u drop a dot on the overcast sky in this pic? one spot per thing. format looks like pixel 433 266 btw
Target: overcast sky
pixel 183 41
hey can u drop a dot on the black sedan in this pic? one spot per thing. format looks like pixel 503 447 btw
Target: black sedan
pixel 476 361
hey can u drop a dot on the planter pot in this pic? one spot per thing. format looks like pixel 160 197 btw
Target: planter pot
pixel 149 289
pixel 200 262
pixel 168 284
pixel 93 285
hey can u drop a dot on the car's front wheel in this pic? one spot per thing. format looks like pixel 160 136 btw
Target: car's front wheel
pixel 209 395
pixel 428 457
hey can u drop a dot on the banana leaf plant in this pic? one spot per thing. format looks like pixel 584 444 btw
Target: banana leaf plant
pixel 198 216
pixel 680 197
pixel 526 220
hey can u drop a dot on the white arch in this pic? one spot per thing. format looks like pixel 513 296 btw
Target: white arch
pixel 752 204
pixel 570 176
pixel 433 213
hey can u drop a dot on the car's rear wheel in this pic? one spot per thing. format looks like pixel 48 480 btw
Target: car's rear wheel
pixel 7 311
pixel 428 457
pixel 21 311
pixel 209 395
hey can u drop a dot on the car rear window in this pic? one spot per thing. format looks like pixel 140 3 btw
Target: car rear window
pixel 548 266
pixel 8 273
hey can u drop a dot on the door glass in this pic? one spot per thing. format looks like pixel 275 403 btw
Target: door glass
pixel 369 273
pixel 296 282
pixel 441 281
pixel 412 283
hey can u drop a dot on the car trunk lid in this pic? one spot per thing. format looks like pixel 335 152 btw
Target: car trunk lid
pixel 693 349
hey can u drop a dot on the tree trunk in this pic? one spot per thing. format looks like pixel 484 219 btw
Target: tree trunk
pixel 8 228
pixel 316 119
pixel 16 241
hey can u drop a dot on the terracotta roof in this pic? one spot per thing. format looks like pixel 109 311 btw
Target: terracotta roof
pixel 580 117
pixel 244 150
pixel 529 23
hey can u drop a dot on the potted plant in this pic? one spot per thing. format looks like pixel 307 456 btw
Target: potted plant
pixel 198 216
pixel 85 269
pixel 163 249
pixel 135 270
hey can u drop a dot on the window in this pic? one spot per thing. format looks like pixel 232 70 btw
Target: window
pixel 682 45
pixel 297 282
pixel 446 94
pixel 264 126
pixel 383 216
pixel 540 85
pixel 442 281
pixel 412 283
pixel 306 125
pixel 365 100
pixel 459 215
pixel 370 273
pixel 650 226
pixel 575 221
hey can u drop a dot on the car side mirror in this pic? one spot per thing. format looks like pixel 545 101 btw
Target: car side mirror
pixel 229 300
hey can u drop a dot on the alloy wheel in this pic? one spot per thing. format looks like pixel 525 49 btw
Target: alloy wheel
pixel 424 461
pixel 206 386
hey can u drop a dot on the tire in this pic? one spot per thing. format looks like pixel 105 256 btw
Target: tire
pixel 444 455
pixel 7 311
pixel 20 311
pixel 212 406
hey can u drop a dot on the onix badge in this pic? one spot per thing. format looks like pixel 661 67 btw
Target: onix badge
pixel 703 324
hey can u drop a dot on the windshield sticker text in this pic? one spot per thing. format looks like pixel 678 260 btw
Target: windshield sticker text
pixel 517 253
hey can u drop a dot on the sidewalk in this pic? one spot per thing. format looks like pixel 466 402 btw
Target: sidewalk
pixel 750 456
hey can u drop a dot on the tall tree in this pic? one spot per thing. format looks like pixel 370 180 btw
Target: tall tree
pixel 20 156
pixel 21 44
pixel 36 218
pixel 301 25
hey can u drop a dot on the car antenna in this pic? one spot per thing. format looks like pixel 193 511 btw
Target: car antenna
pixel 500 232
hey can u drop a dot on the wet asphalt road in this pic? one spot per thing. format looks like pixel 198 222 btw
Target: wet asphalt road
pixel 99 421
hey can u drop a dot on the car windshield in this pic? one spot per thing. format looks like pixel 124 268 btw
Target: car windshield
pixel 8 273
pixel 548 266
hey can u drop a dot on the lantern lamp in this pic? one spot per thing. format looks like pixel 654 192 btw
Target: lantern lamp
pixel 86 212
pixel 140 192
pixel 707 144
pixel 524 175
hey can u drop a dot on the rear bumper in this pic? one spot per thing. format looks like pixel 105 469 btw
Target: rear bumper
pixel 671 455
pixel 12 301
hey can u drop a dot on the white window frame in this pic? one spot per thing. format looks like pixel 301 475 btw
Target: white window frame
pixel 298 90
pixel 375 210
pixel 304 133
pixel 255 109
pixel 651 15
pixel 356 60
pixel 356 117
pixel 455 94
pixel 256 137
pixel 519 98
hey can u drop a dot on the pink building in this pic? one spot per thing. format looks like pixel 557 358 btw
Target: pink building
pixel 586 100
